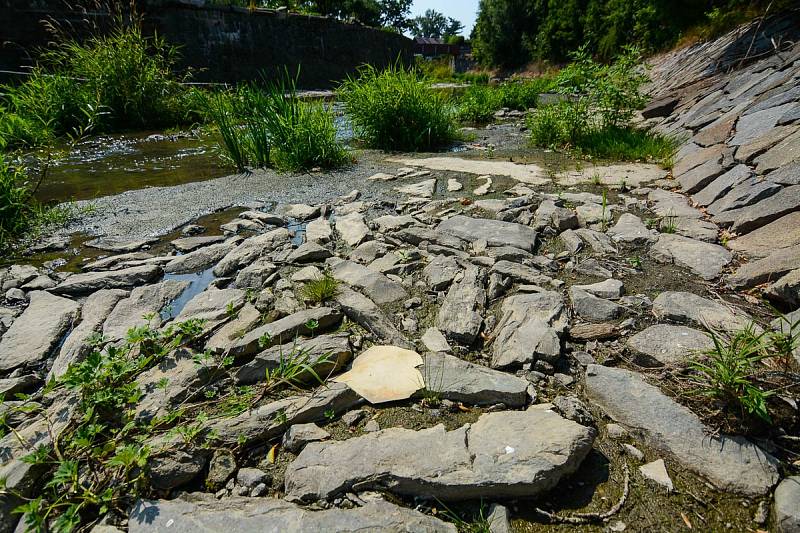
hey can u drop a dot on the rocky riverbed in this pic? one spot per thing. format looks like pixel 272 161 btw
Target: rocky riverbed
pixel 508 340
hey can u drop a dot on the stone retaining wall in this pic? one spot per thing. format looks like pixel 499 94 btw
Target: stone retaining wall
pixel 221 44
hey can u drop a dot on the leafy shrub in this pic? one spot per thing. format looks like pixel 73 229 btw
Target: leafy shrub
pixel 595 114
pixel 395 109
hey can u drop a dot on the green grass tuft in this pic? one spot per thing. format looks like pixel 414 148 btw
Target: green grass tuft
pixel 396 109
pixel 320 290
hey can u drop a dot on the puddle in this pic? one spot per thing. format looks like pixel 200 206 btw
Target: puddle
pixel 198 282
pixel 297 232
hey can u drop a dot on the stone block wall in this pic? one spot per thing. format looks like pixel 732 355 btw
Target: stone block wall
pixel 220 44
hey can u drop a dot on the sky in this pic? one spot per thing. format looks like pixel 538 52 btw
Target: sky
pixel 464 10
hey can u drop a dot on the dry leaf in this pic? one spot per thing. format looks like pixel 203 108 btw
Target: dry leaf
pixel 271 454
pixel 462 407
pixel 686 521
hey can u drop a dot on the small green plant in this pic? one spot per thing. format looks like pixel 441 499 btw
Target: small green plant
pixel 669 224
pixel 320 290
pixel 433 382
pixel 635 262
pixel 329 414
pixel 728 371
pixel 396 109
pixel 473 523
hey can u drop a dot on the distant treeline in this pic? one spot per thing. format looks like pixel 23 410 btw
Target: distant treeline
pixel 510 33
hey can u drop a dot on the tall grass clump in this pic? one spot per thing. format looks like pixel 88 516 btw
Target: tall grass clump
pixel 272 126
pixel 113 81
pixel 479 103
pixel 594 116
pixel 396 109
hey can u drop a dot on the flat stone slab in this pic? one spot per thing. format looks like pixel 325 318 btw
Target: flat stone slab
pixel 460 381
pixel 747 219
pixel 721 185
pixel 630 229
pixel 631 174
pixel 378 287
pixel 89 282
pixel 732 464
pixel 782 233
pixel 530 328
pixel 202 258
pixel 203 512
pixel 147 300
pixel 36 332
pixel 423 189
pixel 689 308
pixel 532 174
pixel 704 259
pixel 770 268
pixel 459 317
pixel 509 454
pixel 284 330
pixel 787 505
pixel 494 232
pixel 670 345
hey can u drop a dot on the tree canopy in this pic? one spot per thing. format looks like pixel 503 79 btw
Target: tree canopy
pixel 512 32
pixel 436 25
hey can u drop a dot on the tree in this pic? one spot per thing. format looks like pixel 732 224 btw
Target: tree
pixel 431 24
pixel 395 14
pixel 454 27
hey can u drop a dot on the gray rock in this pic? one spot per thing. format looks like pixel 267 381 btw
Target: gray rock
pixel 787 505
pixel 418 234
pixel 95 310
pixel 310 252
pixel 148 300
pixel 246 319
pixel 689 308
pixel 271 420
pixel 116 279
pixel 284 330
pixel 746 219
pixel 183 375
pixel 440 272
pixel 530 329
pixel 118 244
pixel 319 231
pixel 786 290
pixel 772 267
pixel 298 435
pixel 592 267
pixel 600 243
pixel 435 341
pixel 508 253
pixel 503 455
pixel 387 223
pixel 213 306
pixel 669 204
pixel 203 512
pixel 36 333
pixel 697 229
pixel 249 250
pixel 786 175
pixel 657 473
pixel 352 229
pixel 721 185
pixel 520 273
pixel 753 125
pixel 746 193
pixel 325 354
pixel 573 409
pixel 302 211
pixel 498 519
pixel 704 259
pixel 572 242
pixel 699 177
pixel 115 262
pixel 592 308
pixel 10 386
pixel 352 418
pixel 669 345
pixel 220 469
pixel 494 232
pixel 630 229
pixel 369 316
pixel 731 464
pixel 378 287
pixel 782 233
pixel 251 477
pixel 423 189
pixel 460 381
pixel 610 289
pixel 256 275
pixel 459 317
